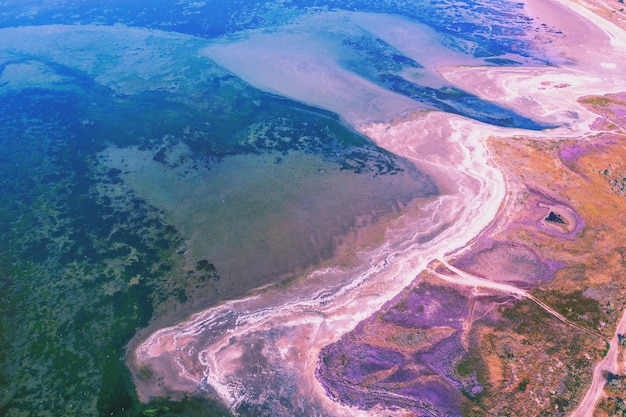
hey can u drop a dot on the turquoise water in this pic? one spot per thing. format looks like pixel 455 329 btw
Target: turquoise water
pixel 141 181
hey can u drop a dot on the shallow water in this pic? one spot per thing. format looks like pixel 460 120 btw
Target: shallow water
pixel 262 218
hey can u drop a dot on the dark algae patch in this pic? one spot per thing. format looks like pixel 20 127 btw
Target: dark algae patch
pixel 555 218
pixel 79 274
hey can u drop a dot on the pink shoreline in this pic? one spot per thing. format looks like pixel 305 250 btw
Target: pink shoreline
pixel 314 311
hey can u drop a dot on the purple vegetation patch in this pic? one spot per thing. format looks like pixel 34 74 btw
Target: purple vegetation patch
pixel 436 394
pixel 507 261
pixel 401 376
pixel 367 360
pixel 619 112
pixel 569 154
pixel 429 306
pixel 554 266
pixel 414 395
pixel 359 374
pixel 438 359
pixel 343 366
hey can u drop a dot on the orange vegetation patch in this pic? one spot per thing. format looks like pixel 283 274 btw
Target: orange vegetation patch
pixel 595 256
pixel 567 205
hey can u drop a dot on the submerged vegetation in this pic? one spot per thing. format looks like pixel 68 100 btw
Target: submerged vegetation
pixel 85 261
pixel 79 273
